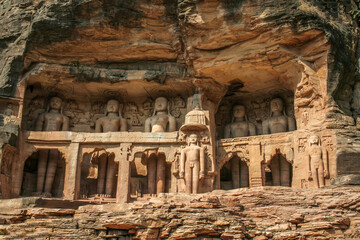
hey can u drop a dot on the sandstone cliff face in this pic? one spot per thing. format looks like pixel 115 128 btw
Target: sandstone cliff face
pixel 258 213
pixel 238 49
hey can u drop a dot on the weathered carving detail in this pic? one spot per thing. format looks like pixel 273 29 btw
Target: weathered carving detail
pixel 161 121
pixel 278 122
pixel 52 120
pixel 133 114
pixel 240 126
pixel 317 162
pixel 112 122
pixel 192 164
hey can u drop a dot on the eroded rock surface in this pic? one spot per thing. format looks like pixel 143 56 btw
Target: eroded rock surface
pixel 258 213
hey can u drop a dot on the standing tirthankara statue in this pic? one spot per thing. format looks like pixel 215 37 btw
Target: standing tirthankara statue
pixel 161 121
pixel 240 126
pixel 317 162
pixel 112 122
pixel 52 120
pixel 192 164
pixel 278 121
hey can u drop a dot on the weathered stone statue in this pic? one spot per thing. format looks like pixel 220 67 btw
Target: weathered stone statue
pixel 112 122
pixel 240 126
pixel 278 121
pixel 52 120
pixel 161 121
pixel 317 162
pixel 192 164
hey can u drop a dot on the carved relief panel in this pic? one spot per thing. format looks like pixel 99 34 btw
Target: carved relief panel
pixel 259 112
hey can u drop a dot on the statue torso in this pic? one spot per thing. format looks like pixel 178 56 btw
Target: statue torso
pixel 239 129
pixel 278 124
pixel 110 124
pixel 315 154
pixel 53 121
pixel 192 154
pixel 159 123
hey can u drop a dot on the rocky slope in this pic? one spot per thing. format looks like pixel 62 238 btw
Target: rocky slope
pixel 257 213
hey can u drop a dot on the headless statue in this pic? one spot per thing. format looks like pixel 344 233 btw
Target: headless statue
pixel 192 164
pixel 278 122
pixel 112 122
pixel 316 161
pixel 161 121
pixel 52 120
pixel 240 127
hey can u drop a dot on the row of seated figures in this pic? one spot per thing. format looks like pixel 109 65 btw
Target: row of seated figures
pixel 278 122
pixel 192 158
pixel 161 121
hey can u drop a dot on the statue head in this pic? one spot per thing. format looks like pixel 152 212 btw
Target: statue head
pixel 239 111
pixel 314 139
pixel 277 106
pixel 112 106
pixel 161 104
pixel 55 103
pixel 193 138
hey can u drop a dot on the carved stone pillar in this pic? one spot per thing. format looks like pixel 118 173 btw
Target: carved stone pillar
pixel 123 184
pixel 71 159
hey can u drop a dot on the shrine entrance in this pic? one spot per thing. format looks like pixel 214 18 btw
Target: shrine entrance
pixel 278 172
pixel 43 174
pixel 234 174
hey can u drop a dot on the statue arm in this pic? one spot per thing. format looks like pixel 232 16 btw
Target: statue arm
pixel 227 131
pixel 202 163
pixel 98 126
pixel 148 125
pixel 39 123
pixel 182 163
pixel 65 124
pixel 123 125
pixel 291 124
pixel 265 127
pixel 252 129
pixel 172 124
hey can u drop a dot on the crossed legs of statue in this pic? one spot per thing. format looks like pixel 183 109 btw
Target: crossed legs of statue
pixel 46 170
pixel 106 174
pixel 156 174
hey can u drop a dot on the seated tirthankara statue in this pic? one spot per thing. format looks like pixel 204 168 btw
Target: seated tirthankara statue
pixel 192 164
pixel 317 162
pixel 112 122
pixel 278 121
pixel 240 126
pixel 52 120
pixel 161 121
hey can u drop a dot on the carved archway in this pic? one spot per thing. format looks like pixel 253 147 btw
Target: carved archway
pixel 94 165
pixel 234 167
pixel 277 168
pixel 53 178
